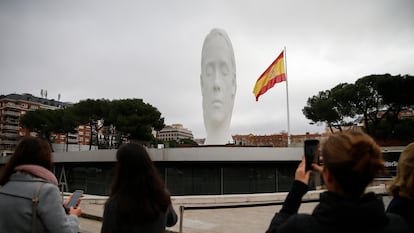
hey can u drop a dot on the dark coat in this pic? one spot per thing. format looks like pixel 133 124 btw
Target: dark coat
pixel 109 223
pixel 335 213
pixel 403 207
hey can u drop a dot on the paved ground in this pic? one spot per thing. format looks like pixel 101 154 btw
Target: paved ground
pixel 229 220
pixel 217 220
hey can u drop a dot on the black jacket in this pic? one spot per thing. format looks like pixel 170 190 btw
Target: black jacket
pixel 404 207
pixel 110 224
pixel 335 214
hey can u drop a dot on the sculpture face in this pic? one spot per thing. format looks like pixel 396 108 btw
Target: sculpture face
pixel 218 84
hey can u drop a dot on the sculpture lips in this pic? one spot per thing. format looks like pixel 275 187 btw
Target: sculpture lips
pixel 217 103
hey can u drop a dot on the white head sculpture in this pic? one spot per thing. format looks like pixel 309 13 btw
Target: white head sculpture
pixel 218 86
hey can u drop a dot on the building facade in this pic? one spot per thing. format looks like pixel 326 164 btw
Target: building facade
pixel 12 109
pixel 274 140
pixel 174 132
pixel 207 170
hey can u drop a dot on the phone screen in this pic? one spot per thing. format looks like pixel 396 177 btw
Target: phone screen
pixel 311 152
pixel 74 199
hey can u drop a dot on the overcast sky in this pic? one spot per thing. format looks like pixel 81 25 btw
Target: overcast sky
pixel 152 50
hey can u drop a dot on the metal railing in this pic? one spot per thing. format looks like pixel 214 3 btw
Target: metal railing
pixel 310 197
pixel 182 208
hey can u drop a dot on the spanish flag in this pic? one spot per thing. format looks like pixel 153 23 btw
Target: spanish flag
pixel 275 73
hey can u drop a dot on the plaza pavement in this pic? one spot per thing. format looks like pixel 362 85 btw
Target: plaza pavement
pixel 223 220
pixel 249 213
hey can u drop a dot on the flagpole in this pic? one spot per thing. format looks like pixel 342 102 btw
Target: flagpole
pixel 287 95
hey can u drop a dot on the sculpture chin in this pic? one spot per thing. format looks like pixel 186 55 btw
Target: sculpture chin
pixel 216 114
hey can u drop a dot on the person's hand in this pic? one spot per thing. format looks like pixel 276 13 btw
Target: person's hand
pixel 317 167
pixel 66 201
pixel 301 174
pixel 76 211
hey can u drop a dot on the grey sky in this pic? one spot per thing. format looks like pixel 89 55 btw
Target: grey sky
pixel 152 50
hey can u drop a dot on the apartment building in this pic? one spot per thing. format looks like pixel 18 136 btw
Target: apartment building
pixel 14 106
pixel 274 140
pixel 174 132
pixel 82 136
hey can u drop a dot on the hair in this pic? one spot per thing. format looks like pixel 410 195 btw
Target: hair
pixel 29 150
pixel 215 33
pixel 354 159
pixel 138 191
pixel 403 183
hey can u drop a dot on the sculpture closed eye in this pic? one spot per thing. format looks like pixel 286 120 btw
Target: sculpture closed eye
pixel 209 70
pixel 224 68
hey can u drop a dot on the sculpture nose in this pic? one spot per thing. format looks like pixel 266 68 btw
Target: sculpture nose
pixel 216 81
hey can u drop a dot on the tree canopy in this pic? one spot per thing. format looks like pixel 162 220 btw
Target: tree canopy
pixel 373 101
pixel 41 121
pixel 130 119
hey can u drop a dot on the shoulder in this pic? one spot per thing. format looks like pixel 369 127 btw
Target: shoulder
pixel 109 207
pixel 110 202
pixel 398 204
pixel 302 218
pixel 397 223
pixel 26 186
pixel 45 188
pixel 300 223
pixel 398 200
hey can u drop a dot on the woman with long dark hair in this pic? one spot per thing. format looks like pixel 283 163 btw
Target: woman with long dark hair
pixel 139 200
pixel 30 199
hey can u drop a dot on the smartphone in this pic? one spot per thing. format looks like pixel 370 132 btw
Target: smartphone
pixel 311 152
pixel 74 199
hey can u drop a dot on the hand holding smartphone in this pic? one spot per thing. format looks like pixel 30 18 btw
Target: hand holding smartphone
pixel 74 199
pixel 311 152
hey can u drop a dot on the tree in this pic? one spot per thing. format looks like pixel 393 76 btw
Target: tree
pixel 396 92
pixel 135 119
pixel 321 109
pixel 370 103
pixel 343 95
pixel 45 122
pixel 65 122
pixel 130 119
pixel 93 113
pixel 40 121
pixel 376 99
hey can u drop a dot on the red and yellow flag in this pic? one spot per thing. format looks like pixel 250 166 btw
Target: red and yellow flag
pixel 275 73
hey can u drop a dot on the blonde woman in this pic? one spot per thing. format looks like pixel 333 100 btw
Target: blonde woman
pixel 351 161
pixel 402 187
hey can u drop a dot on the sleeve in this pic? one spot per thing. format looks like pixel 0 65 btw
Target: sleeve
pixel 397 206
pixel 171 216
pixel 52 213
pixel 391 206
pixel 290 206
pixel 108 221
